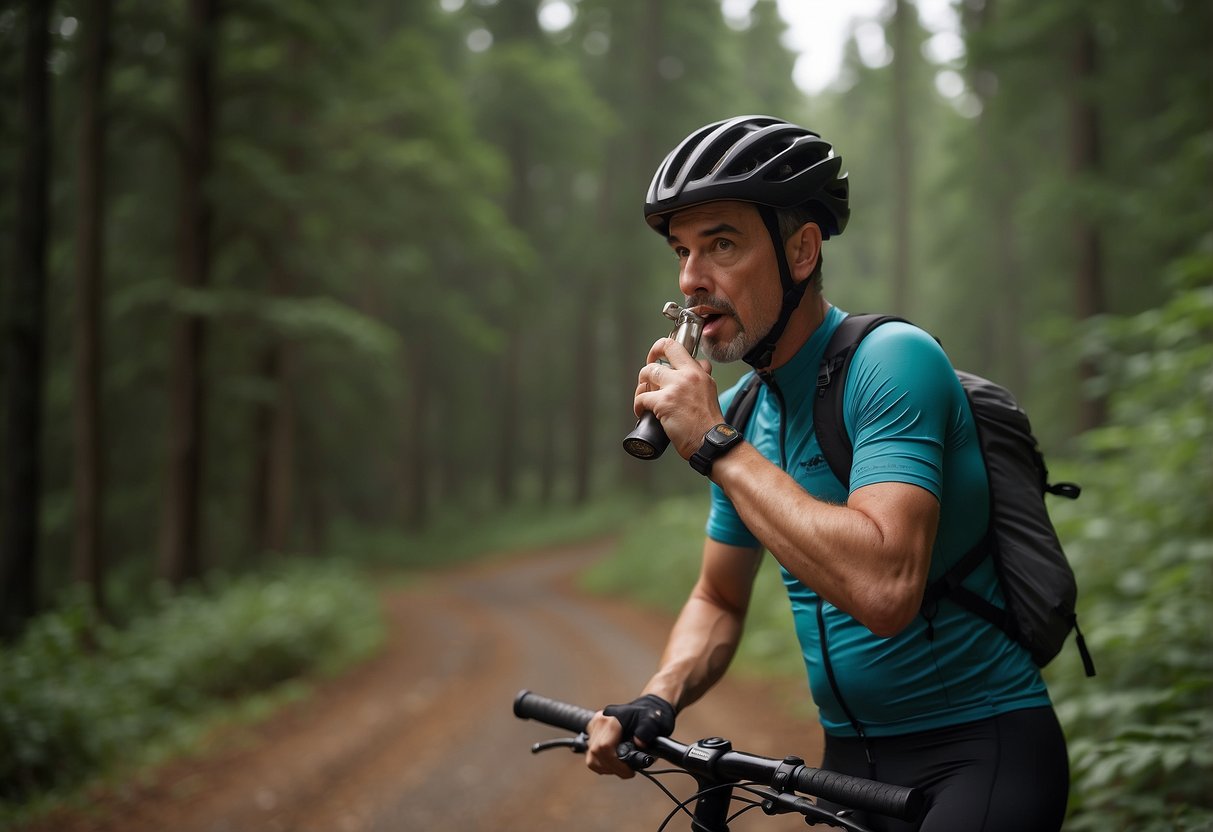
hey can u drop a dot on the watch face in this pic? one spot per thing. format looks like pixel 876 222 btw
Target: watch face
pixel 716 443
pixel 722 434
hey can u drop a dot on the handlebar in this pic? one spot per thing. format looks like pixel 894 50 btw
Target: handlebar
pixel 716 758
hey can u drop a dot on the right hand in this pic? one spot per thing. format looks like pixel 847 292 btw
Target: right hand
pixel 642 719
pixel 681 393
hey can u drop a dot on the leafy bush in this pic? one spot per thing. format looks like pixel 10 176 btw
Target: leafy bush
pixel 1141 732
pixel 463 532
pixel 657 562
pixel 75 694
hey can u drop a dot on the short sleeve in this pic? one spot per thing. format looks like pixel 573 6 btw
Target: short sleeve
pixel 901 393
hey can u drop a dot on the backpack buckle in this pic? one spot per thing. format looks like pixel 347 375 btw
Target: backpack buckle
pixel 826 374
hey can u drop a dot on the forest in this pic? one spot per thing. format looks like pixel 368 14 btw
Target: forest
pixel 284 279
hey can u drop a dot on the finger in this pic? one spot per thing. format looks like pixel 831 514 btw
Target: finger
pixel 674 353
pixel 677 355
pixel 658 350
pixel 653 374
pixel 650 377
pixel 605 733
pixel 643 382
pixel 645 402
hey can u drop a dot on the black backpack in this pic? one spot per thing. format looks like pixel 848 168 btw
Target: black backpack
pixel 1036 579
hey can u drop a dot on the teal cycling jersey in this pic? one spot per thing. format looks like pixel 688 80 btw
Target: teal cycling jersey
pixel 910 423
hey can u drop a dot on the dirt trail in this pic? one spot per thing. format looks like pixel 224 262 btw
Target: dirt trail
pixel 423 737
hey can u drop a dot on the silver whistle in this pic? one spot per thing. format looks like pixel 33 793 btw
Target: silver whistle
pixel 687 326
pixel 649 440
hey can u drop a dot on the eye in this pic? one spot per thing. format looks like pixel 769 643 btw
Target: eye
pixel 681 252
pixel 722 244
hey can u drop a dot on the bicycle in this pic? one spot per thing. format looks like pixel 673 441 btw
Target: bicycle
pixel 719 770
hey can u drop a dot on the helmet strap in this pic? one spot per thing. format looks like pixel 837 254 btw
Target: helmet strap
pixel 760 355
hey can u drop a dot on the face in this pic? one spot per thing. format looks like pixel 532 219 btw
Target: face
pixel 728 274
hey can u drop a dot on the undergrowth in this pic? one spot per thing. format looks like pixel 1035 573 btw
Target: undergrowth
pixel 656 563
pixel 77 695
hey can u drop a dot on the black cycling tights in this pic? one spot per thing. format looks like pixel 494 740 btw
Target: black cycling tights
pixel 1005 774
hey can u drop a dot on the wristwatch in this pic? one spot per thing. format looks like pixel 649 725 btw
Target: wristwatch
pixel 716 443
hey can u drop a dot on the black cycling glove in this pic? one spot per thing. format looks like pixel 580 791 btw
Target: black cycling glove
pixel 645 718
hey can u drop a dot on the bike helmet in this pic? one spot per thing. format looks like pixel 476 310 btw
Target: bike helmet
pixel 756 159
pixel 765 161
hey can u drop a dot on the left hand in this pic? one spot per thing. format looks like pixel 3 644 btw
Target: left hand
pixel 682 394
pixel 644 719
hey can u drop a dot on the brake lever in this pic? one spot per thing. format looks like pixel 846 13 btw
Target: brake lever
pixel 633 757
pixel 578 744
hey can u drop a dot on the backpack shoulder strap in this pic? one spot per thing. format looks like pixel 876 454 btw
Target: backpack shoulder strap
pixel 828 421
pixel 742 406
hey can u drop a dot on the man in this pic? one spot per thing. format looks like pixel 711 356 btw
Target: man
pixel 950 705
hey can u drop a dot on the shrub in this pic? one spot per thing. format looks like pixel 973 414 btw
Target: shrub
pixel 76 694
pixel 1141 732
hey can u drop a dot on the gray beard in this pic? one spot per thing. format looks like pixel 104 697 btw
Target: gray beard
pixel 724 352
pixel 729 351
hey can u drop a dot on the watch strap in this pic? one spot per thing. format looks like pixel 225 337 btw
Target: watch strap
pixel 717 442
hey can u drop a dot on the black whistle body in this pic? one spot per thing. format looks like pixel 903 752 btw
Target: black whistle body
pixel 648 440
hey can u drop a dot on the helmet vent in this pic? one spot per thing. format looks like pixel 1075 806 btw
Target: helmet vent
pixel 798 159
pixel 839 190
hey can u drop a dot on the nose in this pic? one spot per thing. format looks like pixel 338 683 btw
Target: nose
pixel 694 276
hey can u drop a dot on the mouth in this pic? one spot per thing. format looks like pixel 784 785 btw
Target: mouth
pixel 704 311
pixel 711 319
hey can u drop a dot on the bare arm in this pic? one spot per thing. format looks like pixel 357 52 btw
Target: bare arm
pixel 708 629
pixel 869 557
pixel 700 646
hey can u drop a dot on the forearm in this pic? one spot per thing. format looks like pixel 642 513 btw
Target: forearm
pixel 704 638
pixel 700 647
pixel 868 557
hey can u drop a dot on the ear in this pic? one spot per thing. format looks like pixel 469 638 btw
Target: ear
pixel 802 249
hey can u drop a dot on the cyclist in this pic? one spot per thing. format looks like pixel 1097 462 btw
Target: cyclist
pixel 950 705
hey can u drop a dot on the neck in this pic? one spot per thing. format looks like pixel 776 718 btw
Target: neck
pixel 801 326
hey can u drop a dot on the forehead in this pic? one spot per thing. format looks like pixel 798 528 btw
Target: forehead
pixel 742 216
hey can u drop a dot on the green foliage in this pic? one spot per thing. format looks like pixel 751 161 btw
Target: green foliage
pixel 462 534
pixel 1142 540
pixel 401 213
pixel 77 695
pixel 657 562
pixel 657 558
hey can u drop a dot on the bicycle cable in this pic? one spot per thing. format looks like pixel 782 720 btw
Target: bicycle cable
pixel 684 805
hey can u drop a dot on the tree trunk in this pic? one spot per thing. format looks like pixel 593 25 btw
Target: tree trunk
pixel 274 471
pixel 903 154
pixel 1085 163
pixel 637 327
pixel 25 325
pixel 417 440
pixel 263 421
pixel 450 469
pixel 1003 326
pixel 510 431
pixel 586 377
pixel 509 377
pixel 281 484
pixel 88 554
pixel 180 545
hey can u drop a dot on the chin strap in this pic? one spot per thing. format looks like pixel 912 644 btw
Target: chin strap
pixel 760 355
